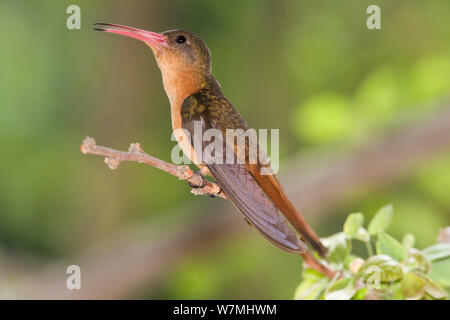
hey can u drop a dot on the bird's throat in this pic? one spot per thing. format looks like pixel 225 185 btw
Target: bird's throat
pixel 179 84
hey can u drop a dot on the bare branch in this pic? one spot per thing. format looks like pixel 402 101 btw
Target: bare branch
pixel 113 158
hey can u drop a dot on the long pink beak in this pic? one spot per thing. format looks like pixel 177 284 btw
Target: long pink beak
pixel 150 38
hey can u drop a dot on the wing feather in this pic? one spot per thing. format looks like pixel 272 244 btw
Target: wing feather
pixel 245 193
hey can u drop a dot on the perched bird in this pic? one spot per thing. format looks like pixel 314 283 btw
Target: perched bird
pixel 195 96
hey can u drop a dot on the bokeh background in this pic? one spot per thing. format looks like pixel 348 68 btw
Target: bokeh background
pixel 342 96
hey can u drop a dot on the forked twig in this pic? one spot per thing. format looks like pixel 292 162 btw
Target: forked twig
pixel 135 153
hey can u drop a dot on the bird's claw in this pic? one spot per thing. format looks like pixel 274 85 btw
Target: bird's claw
pixel 195 186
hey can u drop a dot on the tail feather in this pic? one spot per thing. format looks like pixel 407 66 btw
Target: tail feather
pixel 275 191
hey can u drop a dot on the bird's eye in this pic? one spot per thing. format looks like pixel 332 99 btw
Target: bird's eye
pixel 181 39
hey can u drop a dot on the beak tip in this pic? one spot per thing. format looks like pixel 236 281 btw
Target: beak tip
pixel 98 24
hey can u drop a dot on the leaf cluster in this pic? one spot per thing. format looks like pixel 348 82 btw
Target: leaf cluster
pixel 393 269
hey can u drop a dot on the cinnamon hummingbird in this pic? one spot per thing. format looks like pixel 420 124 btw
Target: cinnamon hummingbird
pixel 196 96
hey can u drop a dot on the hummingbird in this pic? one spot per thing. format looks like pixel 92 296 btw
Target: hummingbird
pixel 196 97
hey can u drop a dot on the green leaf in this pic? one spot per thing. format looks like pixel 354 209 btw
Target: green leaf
pixel 440 272
pixel 408 241
pixel 352 224
pixel 311 275
pixel 362 235
pixel 339 246
pixel 381 220
pixel 388 245
pixel 417 260
pixel 394 291
pixel 342 289
pixel 361 294
pixel 312 286
pixel 413 286
pixel 432 288
pixel 437 251
pixel 382 266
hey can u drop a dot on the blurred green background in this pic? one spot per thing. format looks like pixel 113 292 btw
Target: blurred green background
pixel 310 68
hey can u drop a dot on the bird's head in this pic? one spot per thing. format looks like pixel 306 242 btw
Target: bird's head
pixel 184 58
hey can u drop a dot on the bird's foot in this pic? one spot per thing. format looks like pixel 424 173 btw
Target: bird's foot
pixel 198 186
